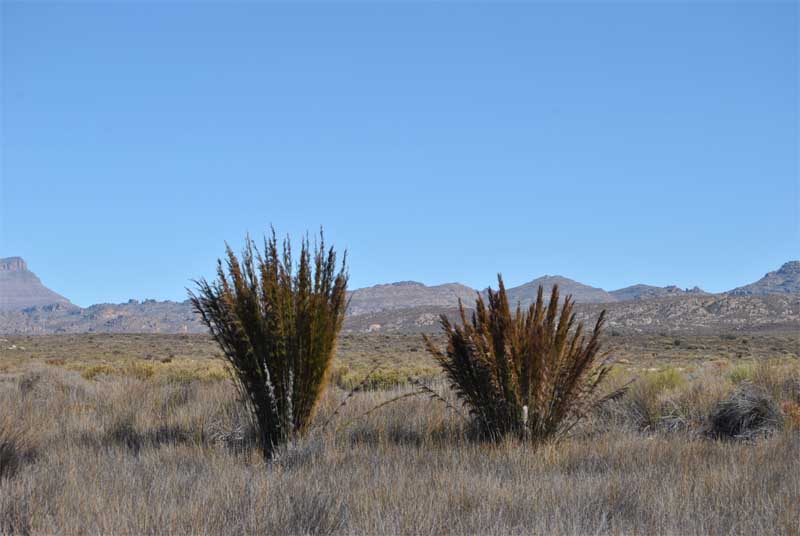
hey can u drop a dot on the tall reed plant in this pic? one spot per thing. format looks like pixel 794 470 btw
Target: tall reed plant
pixel 533 373
pixel 277 325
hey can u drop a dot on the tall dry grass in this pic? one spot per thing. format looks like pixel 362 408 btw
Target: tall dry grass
pixel 131 456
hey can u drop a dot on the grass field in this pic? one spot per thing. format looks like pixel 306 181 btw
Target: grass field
pixel 397 357
pixel 141 434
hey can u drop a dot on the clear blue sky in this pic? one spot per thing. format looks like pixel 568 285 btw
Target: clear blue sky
pixel 613 143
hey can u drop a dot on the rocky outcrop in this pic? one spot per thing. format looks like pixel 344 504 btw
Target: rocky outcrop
pixel 706 313
pixel 647 292
pixel 13 264
pixel 785 280
pixel 149 316
pixel 21 289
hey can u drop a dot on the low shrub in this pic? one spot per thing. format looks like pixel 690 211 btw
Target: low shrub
pixel 742 373
pixel 383 377
pixel 91 372
pixel 747 413
pixel 665 401
pixel 668 379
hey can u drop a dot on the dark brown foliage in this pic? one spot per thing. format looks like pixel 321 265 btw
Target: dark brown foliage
pixel 531 373
pixel 747 413
pixel 277 329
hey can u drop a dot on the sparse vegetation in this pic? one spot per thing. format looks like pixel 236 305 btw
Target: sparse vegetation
pixel 277 329
pixel 406 469
pixel 532 374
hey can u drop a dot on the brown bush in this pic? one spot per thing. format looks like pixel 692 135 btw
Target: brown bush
pixel 532 374
pixel 747 413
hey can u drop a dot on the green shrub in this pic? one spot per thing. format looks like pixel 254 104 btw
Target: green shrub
pixel 655 401
pixel 91 372
pixel 668 379
pixel 277 329
pixel 531 373
pixel 741 373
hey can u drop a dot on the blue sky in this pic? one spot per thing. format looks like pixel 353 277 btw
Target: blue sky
pixel 613 143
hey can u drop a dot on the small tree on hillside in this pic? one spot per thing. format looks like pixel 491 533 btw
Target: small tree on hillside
pixel 277 328
pixel 531 373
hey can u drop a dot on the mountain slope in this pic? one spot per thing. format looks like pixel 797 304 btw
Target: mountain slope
pixel 526 294
pixel 687 313
pixel 20 288
pixel 647 292
pixel 772 302
pixel 785 280
pixel 408 294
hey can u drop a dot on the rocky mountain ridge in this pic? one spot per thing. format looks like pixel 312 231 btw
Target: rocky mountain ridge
pixel 409 305
pixel 688 313
pixel 646 292
pixel 785 280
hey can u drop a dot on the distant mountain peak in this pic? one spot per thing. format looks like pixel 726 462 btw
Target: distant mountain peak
pixel 784 280
pixel 13 264
pixel 792 267
pixel 407 294
pixel 526 293
pixel 21 289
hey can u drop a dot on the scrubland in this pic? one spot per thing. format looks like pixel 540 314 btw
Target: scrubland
pixel 141 442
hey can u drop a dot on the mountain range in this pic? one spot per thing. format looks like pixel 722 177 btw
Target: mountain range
pixel 27 306
pixel 411 294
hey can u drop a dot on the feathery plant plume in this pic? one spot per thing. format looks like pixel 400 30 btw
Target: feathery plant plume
pixel 277 328
pixel 531 373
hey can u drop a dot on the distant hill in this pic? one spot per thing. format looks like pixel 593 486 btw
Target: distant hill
pixel 526 294
pixel 648 292
pixel 773 301
pixel 149 316
pixel 686 313
pixel 407 294
pixel 785 280
pixel 20 288
pixel 682 313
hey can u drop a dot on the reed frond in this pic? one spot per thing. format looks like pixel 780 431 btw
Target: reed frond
pixel 277 325
pixel 530 373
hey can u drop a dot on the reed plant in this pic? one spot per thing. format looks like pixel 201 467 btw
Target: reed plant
pixel 532 373
pixel 277 325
